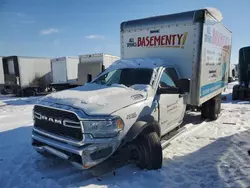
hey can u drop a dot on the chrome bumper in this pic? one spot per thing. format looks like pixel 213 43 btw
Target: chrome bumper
pixel 90 154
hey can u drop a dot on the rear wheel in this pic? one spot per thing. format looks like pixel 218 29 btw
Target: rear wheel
pixel 29 92
pixel 212 108
pixel 146 151
pixel 235 94
pixel 3 91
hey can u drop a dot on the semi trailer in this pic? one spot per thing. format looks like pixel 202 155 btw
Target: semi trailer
pixel 168 63
pixel 26 76
pixel 90 65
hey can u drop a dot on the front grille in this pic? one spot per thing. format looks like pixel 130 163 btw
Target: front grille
pixel 73 131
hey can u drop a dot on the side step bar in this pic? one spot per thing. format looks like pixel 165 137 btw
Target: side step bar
pixel 166 140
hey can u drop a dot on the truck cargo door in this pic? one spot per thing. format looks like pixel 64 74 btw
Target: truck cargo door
pixel 59 72
pixel 171 105
pixel 85 69
pixel 11 70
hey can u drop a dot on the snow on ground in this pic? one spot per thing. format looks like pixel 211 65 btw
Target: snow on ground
pixel 208 154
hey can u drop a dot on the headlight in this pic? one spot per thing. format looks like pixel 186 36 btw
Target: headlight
pixel 103 128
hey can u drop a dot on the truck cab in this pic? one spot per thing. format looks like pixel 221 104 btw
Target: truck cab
pixel 136 94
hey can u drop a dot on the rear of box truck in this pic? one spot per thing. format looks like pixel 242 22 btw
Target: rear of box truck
pixel 11 71
pixel 72 69
pixel 215 59
pixel 59 70
pixel 89 64
pixel 93 64
pixel 109 59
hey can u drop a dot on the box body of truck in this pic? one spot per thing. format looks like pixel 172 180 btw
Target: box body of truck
pixel 197 44
pixel 24 72
pixel 92 65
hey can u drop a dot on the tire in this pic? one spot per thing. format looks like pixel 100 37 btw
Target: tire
pixel 212 108
pixel 3 92
pixel 147 148
pixel 241 94
pixel 205 110
pixel 30 92
pixel 215 108
pixel 235 94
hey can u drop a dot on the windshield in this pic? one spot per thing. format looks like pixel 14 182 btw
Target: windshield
pixel 127 77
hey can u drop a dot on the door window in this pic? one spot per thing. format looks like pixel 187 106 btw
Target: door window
pixel 173 74
pixel 166 80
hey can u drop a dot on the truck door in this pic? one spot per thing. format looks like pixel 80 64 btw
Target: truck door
pixel 171 105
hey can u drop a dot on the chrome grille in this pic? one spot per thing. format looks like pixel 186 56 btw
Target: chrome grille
pixel 58 122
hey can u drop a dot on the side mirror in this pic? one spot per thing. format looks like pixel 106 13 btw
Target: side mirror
pixel 184 85
pixel 89 78
pixel 233 73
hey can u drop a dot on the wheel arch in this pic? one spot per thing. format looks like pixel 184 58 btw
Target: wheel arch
pixel 143 125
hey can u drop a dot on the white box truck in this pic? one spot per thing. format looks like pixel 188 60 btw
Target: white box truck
pixel 64 72
pixel 168 62
pixel 91 65
pixel 26 76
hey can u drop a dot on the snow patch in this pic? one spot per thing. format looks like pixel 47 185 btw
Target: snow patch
pixel 2 103
pixel 216 13
pixel 96 99
pixel 136 63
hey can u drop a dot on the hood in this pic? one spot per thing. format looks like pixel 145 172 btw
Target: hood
pixel 96 99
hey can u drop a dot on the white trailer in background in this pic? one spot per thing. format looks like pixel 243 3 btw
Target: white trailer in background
pixel 26 75
pixel 1 73
pixel 64 72
pixel 91 65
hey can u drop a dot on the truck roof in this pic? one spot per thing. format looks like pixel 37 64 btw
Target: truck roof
pixel 15 56
pixel 97 55
pixel 64 57
pixel 177 18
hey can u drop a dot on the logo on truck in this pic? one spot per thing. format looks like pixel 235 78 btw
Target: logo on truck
pixel 46 118
pixel 64 122
pixel 216 38
pixel 177 40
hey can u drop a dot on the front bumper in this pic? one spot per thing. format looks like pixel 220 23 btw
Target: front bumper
pixel 84 155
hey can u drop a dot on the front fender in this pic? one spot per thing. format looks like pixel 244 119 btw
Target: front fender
pixel 144 125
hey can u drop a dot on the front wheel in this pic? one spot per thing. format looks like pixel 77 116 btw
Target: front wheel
pixel 146 151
